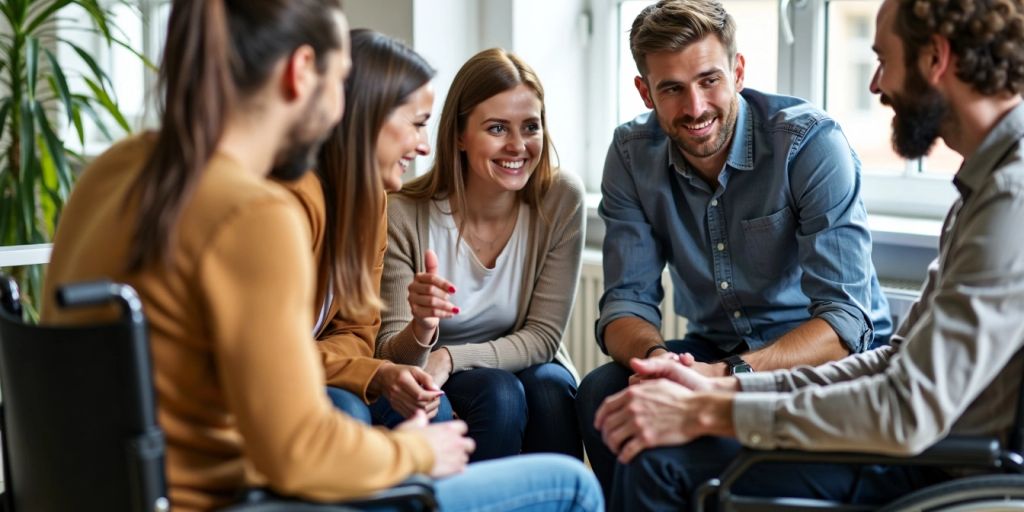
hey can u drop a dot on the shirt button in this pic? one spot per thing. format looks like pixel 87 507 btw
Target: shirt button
pixel 714 202
pixel 736 314
pixel 720 246
pixel 725 285
pixel 755 438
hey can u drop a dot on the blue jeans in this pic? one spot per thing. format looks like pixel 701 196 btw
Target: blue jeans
pixel 539 482
pixel 529 411
pixel 610 379
pixel 379 412
pixel 535 483
pixel 665 478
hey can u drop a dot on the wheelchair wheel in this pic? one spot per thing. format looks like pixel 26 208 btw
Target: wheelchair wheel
pixel 977 493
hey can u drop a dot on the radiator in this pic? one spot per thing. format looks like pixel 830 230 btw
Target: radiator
pixel 579 337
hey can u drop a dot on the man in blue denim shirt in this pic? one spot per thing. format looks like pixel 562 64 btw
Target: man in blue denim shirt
pixel 753 201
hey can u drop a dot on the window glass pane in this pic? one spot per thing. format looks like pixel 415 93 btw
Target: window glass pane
pixel 756 38
pixel 850 66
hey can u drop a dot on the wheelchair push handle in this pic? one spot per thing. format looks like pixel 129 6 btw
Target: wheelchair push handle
pixel 98 293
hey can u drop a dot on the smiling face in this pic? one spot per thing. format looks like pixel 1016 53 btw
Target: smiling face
pixel 920 111
pixel 503 141
pixel 403 136
pixel 694 93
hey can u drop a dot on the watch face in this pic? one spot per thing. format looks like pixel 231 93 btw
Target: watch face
pixel 738 365
pixel 741 368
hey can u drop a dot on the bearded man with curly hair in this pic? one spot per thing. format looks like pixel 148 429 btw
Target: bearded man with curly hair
pixel 950 69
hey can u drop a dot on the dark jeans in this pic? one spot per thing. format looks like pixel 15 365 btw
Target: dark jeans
pixel 379 412
pixel 610 379
pixel 509 413
pixel 665 478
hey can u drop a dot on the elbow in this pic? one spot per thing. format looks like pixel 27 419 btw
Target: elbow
pixel 917 436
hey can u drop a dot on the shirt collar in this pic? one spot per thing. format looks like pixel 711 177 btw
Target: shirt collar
pixel 741 151
pixel 977 167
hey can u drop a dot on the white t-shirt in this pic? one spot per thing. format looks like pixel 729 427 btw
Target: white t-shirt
pixel 487 298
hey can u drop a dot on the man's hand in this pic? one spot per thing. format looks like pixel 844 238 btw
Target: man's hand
pixel 408 389
pixel 660 413
pixel 448 440
pixel 439 366
pixel 643 416
pixel 711 369
pixel 681 371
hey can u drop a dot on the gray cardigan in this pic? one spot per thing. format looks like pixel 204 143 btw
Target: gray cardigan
pixel 550 276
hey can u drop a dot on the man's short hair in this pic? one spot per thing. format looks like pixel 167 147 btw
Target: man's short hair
pixel 987 37
pixel 672 25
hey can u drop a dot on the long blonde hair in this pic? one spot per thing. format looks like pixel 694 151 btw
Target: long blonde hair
pixel 484 75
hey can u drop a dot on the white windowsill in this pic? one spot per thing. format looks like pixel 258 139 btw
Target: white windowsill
pixel 885 229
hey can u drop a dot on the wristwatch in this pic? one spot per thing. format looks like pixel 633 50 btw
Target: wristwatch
pixel 736 364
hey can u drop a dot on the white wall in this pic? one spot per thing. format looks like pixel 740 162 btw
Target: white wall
pixel 546 33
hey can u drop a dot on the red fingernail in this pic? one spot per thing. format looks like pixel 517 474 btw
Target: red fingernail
pixel 451 289
pixel 455 310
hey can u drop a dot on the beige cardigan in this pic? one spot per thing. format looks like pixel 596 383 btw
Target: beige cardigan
pixel 552 270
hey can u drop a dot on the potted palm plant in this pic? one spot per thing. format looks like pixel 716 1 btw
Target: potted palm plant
pixel 42 98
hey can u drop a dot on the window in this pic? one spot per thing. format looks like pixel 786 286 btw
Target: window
pixel 141 25
pixel 829 62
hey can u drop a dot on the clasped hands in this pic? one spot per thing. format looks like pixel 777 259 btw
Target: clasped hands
pixel 668 402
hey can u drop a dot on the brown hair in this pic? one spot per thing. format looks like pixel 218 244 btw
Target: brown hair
pixel 484 75
pixel 384 74
pixel 217 52
pixel 987 36
pixel 672 25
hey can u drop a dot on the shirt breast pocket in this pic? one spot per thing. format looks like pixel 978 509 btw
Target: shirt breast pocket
pixel 771 244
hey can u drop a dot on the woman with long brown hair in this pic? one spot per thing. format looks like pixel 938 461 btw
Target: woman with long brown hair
pixel 483 261
pixel 389 98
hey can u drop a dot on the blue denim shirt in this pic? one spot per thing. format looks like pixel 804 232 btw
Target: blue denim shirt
pixel 782 239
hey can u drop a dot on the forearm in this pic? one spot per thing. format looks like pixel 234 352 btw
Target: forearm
pixel 629 337
pixel 406 348
pixel 812 343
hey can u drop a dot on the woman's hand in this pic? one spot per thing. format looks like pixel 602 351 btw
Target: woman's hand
pixel 428 299
pixel 439 366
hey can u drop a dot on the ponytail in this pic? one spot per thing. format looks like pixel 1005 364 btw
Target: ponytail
pixel 196 78
pixel 217 52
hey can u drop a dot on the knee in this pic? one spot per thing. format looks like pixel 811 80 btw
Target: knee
pixel 599 384
pixel 348 403
pixel 548 382
pixel 503 390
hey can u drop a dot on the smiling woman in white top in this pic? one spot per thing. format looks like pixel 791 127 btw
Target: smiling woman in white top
pixel 482 264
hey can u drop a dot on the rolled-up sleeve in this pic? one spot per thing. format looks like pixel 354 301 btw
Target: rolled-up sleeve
pixel 955 366
pixel 833 240
pixel 632 255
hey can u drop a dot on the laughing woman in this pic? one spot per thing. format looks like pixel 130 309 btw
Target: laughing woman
pixel 388 99
pixel 482 264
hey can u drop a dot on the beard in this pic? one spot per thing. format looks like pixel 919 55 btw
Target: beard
pixel 919 115
pixel 703 147
pixel 304 140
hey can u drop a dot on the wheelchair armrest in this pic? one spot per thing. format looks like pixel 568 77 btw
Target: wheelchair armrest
pixel 961 452
pixel 416 489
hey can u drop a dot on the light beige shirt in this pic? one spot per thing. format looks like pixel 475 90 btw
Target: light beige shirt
pixel 954 366
pixel 549 277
